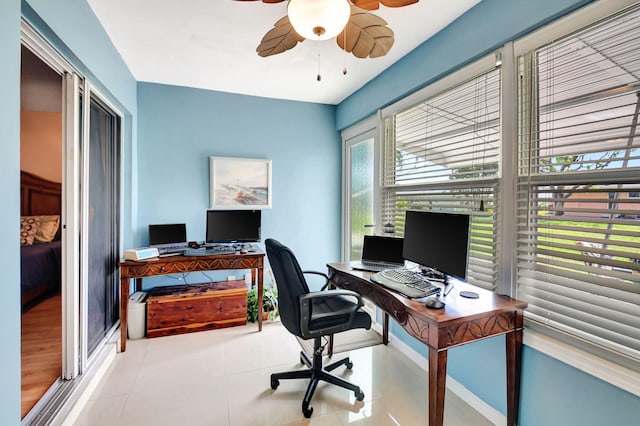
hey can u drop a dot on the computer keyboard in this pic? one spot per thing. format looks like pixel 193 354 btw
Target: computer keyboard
pixel 221 249
pixel 406 282
pixel 217 249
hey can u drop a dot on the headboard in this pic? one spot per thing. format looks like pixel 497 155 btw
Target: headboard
pixel 39 196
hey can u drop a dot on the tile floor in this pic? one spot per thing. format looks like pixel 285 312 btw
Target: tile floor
pixel 221 377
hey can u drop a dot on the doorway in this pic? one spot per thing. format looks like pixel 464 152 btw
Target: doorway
pixel 41 183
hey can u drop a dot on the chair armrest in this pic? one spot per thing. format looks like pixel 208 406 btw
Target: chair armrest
pixel 306 311
pixel 322 274
pixel 317 273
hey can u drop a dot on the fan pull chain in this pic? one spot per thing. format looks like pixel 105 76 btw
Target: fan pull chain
pixel 344 70
pixel 319 77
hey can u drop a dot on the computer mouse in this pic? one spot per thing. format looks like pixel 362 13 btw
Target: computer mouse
pixel 434 303
pixel 243 250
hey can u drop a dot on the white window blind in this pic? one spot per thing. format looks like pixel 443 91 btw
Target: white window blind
pixel 443 154
pixel 579 176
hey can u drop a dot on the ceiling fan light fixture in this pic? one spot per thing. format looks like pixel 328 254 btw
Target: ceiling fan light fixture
pixel 318 19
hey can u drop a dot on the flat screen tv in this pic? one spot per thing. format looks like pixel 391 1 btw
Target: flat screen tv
pixel 437 241
pixel 233 226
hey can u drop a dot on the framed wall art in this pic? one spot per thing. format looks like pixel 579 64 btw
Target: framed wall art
pixel 240 183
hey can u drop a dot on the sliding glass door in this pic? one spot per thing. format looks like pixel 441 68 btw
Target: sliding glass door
pixel 101 207
pixel 91 198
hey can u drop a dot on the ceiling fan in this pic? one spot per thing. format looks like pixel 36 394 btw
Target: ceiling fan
pixel 356 30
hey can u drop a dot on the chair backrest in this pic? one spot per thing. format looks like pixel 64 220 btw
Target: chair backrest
pixel 290 281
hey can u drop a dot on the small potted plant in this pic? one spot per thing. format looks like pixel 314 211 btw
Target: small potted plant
pixel 269 304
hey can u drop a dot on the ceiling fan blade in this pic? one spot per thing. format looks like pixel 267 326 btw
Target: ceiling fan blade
pixel 367 35
pixel 363 4
pixel 375 4
pixel 266 1
pixel 280 38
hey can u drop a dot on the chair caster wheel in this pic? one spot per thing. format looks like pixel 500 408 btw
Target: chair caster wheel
pixel 275 383
pixel 359 395
pixel 307 411
pixel 349 365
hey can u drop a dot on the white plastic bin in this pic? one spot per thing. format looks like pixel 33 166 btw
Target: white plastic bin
pixel 137 315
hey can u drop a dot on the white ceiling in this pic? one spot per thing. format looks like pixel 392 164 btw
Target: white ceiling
pixel 211 44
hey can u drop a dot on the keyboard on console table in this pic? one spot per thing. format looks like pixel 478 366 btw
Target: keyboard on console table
pixel 408 283
pixel 209 251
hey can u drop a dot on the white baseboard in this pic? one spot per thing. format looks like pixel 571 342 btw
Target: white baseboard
pixel 487 411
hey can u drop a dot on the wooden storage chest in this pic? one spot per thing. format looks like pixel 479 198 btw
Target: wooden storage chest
pixel 187 308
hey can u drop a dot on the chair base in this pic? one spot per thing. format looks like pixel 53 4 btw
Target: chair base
pixel 317 372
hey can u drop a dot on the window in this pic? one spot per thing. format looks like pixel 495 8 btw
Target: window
pixel 559 206
pixel 443 154
pixel 579 162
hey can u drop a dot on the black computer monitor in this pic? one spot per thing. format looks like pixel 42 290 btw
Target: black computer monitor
pixel 233 226
pixel 438 241
pixel 168 235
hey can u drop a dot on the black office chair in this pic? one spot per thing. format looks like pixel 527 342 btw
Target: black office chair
pixel 312 315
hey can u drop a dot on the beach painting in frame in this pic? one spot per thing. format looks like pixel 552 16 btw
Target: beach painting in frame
pixel 240 183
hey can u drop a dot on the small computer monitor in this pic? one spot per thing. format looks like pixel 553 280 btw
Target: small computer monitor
pixel 438 241
pixel 233 226
pixel 168 235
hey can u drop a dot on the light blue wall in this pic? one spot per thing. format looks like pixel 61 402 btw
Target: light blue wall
pixel 179 128
pixel 80 37
pixel 10 212
pixel 553 393
pixel 556 394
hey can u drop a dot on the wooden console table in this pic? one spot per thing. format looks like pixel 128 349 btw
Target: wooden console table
pixel 183 264
pixel 461 321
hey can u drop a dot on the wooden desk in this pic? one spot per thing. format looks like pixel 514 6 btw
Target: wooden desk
pixel 183 264
pixel 461 321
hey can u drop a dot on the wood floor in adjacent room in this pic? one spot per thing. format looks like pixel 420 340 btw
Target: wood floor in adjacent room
pixel 41 350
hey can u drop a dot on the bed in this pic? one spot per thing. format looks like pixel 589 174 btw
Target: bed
pixel 40 237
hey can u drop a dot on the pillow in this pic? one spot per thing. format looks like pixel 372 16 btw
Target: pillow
pixel 47 229
pixel 38 229
pixel 28 227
